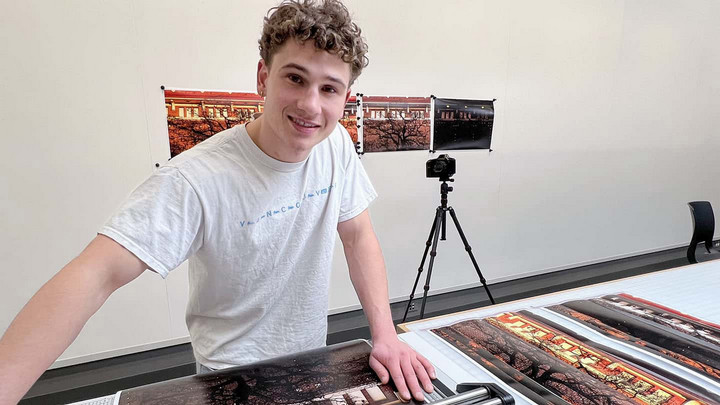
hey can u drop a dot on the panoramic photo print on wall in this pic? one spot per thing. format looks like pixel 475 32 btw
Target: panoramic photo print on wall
pixel 195 115
pixel 349 119
pixel 462 124
pixel 395 123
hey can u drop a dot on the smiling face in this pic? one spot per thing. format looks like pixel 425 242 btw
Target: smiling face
pixel 305 94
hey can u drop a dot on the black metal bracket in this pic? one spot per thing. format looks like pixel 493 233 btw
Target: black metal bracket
pixel 494 389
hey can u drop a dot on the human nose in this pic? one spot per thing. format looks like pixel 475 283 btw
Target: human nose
pixel 309 102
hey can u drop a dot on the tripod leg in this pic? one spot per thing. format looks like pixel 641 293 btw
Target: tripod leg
pixel 433 253
pixel 443 221
pixel 422 265
pixel 469 250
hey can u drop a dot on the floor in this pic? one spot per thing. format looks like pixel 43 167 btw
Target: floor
pixel 105 377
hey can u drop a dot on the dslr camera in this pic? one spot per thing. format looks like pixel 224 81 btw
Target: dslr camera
pixel 442 167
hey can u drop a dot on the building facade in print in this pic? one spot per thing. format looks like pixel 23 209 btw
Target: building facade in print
pixel 395 123
pixel 349 118
pixel 626 378
pixel 643 335
pixel 194 116
pixel 463 124
pixel 539 371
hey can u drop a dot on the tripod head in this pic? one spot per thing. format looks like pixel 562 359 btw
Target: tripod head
pixel 444 190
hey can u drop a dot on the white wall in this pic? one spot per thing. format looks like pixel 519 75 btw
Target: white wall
pixel 606 125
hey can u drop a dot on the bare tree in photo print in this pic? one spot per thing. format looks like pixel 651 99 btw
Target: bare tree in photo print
pixel 194 116
pixel 395 123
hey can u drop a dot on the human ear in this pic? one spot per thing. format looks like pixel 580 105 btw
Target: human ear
pixel 262 75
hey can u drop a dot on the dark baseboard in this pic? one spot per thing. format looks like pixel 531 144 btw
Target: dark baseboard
pixel 353 324
pixel 105 377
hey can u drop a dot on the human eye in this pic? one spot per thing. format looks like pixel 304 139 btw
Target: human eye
pixel 329 89
pixel 295 78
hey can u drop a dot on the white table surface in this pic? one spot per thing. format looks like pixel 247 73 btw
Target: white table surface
pixel 692 289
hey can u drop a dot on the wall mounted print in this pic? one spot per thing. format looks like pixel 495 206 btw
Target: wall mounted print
pixel 195 115
pixel 462 124
pixel 349 120
pixel 395 123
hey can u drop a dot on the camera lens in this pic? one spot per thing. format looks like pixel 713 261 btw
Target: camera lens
pixel 439 166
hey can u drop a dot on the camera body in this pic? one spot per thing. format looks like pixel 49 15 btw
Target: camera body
pixel 442 167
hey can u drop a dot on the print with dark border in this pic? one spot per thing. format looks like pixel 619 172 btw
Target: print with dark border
pixel 705 352
pixel 593 316
pixel 673 311
pixel 462 124
pixel 668 318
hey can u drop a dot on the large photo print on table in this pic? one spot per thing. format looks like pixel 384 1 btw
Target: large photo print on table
pixel 462 124
pixel 395 123
pixel 560 365
pixel 652 366
pixel 195 115
pixel 662 315
pixel 337 375
pixel 669 334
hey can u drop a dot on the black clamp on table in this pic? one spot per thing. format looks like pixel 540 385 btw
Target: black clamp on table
pixel 480 394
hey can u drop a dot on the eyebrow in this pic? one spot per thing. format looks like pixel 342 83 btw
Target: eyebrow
pixel 304 70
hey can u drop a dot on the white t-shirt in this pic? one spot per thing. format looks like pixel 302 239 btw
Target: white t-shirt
pixel 259 235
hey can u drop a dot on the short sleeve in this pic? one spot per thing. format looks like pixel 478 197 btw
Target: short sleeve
pixel 357 191
pixel 161 221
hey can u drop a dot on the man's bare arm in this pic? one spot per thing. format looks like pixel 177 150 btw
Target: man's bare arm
pixel 390 357
pixel 54 316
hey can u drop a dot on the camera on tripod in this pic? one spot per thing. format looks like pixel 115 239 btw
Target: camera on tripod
pixel 443 167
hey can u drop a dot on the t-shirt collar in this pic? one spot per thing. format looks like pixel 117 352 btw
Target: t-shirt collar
pixel 263 158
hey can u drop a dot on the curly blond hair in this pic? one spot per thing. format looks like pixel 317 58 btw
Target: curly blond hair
pixel 327 24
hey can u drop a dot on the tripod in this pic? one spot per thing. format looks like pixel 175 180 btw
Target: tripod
pixel 437 232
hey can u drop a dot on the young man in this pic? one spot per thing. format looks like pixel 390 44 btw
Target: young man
pixel 255 210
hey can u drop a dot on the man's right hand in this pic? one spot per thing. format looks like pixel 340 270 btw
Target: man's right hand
pixel 54 316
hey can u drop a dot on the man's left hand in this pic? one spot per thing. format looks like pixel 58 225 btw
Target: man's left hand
pixel 392 358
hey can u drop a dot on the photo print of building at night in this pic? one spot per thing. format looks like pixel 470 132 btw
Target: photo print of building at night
pixel 462 124
pixel 194 115
pixel 395 123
